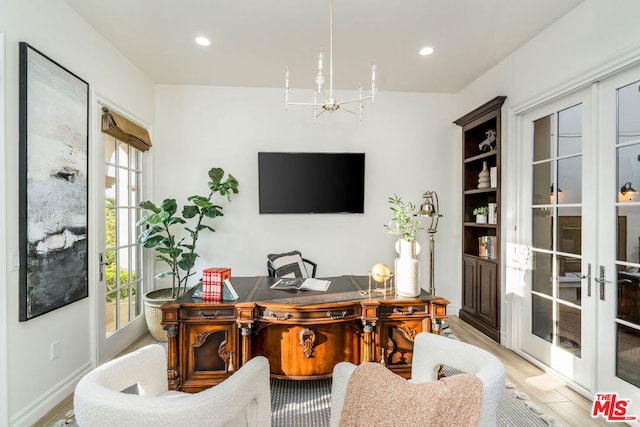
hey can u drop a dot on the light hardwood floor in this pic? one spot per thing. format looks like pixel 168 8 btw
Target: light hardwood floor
pixel 551 395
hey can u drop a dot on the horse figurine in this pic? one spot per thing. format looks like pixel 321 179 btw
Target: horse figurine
pixel 489 144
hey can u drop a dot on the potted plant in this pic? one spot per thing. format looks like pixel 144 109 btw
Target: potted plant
pixel 174 237
pixel 406 266
pixel 403 223
pixel 481 214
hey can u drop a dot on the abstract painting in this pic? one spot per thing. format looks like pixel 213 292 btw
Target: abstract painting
pixel 54 117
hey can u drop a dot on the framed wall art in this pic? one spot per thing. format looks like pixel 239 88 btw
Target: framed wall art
pixel 54 131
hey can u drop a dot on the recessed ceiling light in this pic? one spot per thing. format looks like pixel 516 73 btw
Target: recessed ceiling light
pixel 203 41
pixel 426 51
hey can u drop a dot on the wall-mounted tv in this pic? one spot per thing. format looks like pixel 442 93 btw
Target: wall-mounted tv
pixel 311 182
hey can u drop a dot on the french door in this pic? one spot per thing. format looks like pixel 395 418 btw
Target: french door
pixel 559 308
pixel 581 311
pixel 618 302
pixel 121 273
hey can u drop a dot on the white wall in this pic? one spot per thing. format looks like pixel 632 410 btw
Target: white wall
pixel 591 38
pixel 410 146
pixel 35 383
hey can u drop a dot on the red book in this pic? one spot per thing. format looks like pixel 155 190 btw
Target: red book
pixel 212 279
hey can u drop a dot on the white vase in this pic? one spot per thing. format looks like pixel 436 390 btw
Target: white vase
pixel 484 180
pixel 481 219
pixel 407 268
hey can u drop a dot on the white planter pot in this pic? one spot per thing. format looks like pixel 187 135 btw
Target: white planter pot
pixel 481 219
pixel 407 268
pixel 153 300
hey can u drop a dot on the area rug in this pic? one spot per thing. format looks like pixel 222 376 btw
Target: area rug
pixel 308 403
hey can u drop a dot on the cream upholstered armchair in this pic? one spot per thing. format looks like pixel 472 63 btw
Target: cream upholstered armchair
pixel 430 351
pixel 243 399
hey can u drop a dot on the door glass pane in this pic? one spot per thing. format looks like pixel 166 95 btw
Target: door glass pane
pixel 569 280
pixel 123 155
pixel 123 227
pixel 570 131
pixel 628 354
pixel 542 181
pixel 569 329
pixel 111 315
pixel 542 276
pixel 628 307
pixel 570 230
pixel 543 142
pixel 628 117
pixel 542 228
pixel 628 173
pixel 628 234
pixel 542 321
pixel 569 187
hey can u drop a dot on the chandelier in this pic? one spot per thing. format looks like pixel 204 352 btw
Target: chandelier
pixel 323 101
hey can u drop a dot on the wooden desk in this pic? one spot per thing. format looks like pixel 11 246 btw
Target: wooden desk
pixel 303 334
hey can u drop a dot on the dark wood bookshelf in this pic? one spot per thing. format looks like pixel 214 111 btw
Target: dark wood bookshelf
pixel 481 275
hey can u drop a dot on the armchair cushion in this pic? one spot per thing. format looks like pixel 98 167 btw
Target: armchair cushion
pixel 288 265
pixel 375 395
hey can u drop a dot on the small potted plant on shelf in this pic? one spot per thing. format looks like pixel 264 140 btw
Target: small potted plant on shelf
pixel 481 214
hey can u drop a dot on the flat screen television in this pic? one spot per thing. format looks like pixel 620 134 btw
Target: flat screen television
pixel 311 182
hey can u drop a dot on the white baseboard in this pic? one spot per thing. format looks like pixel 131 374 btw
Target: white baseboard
pixel 38 408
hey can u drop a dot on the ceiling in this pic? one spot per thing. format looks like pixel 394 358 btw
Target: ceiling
pixel 253 41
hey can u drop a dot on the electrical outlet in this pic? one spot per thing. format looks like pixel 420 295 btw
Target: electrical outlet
pixel 55 350
pixel 15 261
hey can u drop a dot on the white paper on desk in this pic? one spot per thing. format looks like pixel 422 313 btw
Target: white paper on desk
pixel 315 284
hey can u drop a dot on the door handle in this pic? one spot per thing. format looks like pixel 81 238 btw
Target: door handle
pixel 586 276
pixel 101 264
pixel 601 281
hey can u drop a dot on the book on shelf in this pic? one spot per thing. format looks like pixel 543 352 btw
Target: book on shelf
pixel 492 213
pixel 482 247
pixel 493 176
pixel 212 279
pixel 488 247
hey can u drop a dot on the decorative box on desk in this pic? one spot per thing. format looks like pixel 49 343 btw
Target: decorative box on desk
pixel 303 334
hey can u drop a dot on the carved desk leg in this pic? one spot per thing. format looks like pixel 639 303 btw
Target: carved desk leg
pixel 438 312
pixel 369 350
pixel 246 350
pixel 173 372
pixel 244 318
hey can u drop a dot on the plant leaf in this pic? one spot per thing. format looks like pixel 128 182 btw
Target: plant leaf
pixel 169 205
pixel 186 264
pixel 190 211
pixel 149 205
pixel 175 220
pixel 148 233
pixel 215 176
pixel 163 274
pixel 153 241
pixel 212 212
